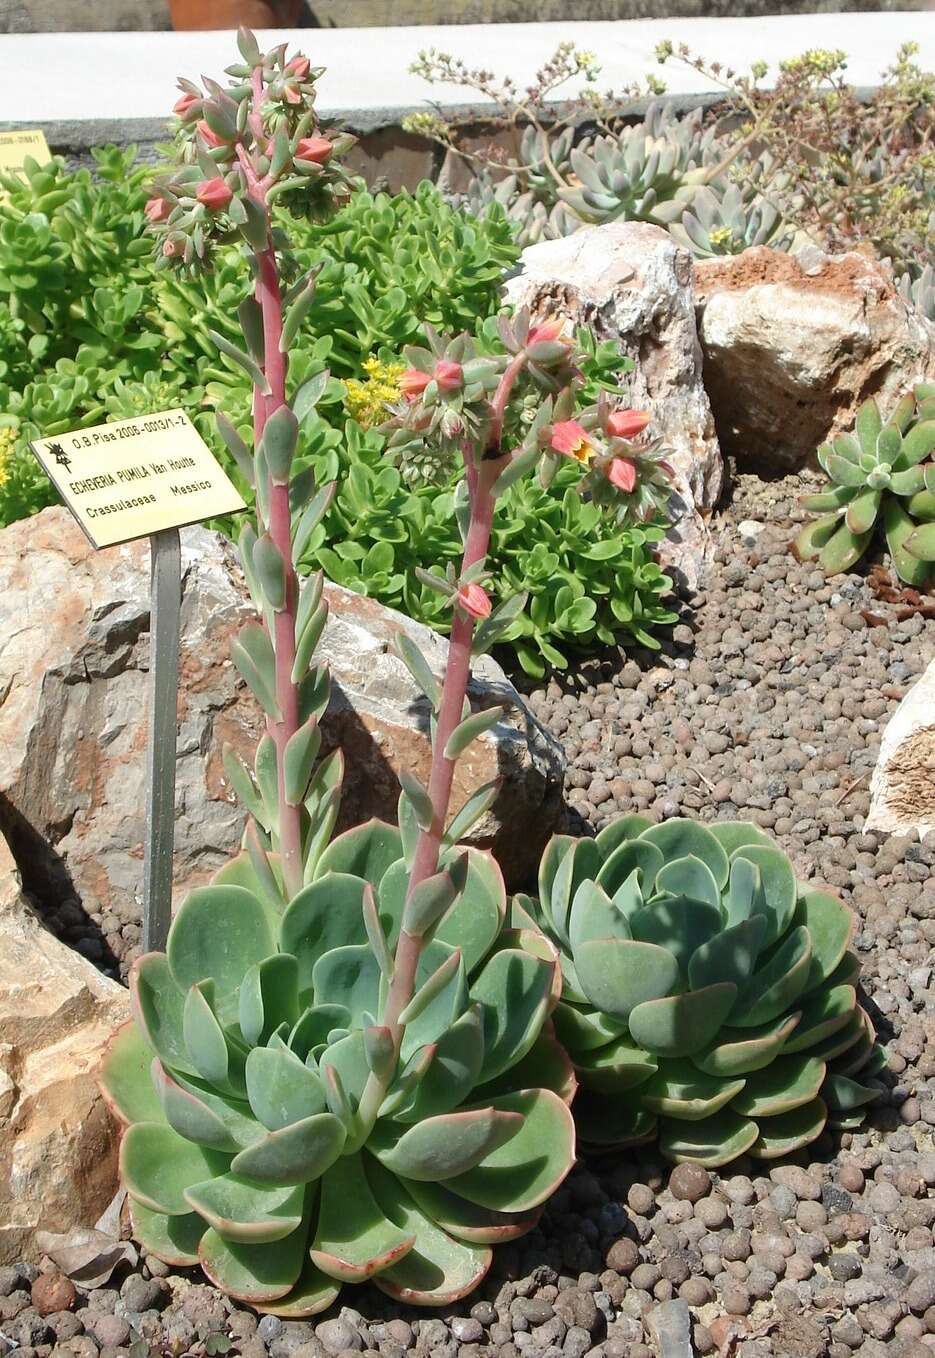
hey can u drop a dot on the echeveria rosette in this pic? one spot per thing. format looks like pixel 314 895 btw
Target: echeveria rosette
pixel 708 997
pixel 643 172
pixel 242 1080
pixel 878 475
pixel 725 220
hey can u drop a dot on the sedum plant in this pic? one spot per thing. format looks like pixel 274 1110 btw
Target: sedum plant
pixel 879 478
pixel 340 1068
pixel 708 998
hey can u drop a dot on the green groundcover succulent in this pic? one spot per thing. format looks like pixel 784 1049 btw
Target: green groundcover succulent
pixel 241 1082
pixel 879 475
pixel 708 997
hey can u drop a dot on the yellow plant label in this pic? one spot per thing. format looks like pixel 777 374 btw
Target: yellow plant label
pixel 16 146
pixel 135 477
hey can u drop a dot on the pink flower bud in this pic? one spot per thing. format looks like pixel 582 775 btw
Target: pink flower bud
pixel 170 248
pixel 552 328
pixel 214 194
pixel 184 105
pixel 299 67
pixel 292 94
pixel 208 135
pixel 571 440
pixel 449 376
pixel 626 424
pixel 157 209
pixel 622 474
pixel 474 600
pixel 316 149
pixel 413 382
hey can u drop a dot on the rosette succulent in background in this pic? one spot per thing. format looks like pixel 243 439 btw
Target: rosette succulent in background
pixel 708 998
pixel 881 475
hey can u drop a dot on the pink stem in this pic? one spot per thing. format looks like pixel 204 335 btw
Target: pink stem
pixel 480 478
pixel 280 530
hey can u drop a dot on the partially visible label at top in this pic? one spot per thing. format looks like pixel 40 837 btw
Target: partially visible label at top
pixel 136 477
pixel 16 146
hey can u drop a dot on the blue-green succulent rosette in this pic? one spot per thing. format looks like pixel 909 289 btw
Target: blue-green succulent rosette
pixel 239 1085
pixel 709 998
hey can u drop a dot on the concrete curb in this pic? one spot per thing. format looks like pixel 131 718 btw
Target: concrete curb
pixel 55 78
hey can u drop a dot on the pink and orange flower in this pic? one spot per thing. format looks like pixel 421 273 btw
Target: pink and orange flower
pixel 626 424
pixel 214 194
pixel 475 601
pixel 571 440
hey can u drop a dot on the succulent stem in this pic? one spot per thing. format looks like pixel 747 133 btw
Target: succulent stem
pixel 280 530
pixel 481 477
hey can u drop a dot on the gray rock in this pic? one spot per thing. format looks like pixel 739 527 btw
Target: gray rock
pixel 338 1335
pixel 670 1326
pixel 73 720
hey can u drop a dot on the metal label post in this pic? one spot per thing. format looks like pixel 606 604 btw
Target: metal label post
pixel 166 596
pixel 147 477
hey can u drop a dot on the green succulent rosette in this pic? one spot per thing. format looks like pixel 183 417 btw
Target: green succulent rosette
pixel 708 997
pixel 879 478
pixel 240 1082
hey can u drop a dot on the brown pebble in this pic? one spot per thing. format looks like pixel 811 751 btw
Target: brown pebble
pixel 641 1199
pixel 851 1177
pixel 53 1292
pixel 623 1256
pixel 689 1182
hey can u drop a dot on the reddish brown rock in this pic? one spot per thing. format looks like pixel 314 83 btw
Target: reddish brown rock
pixel 53 1292
pixel 793 343
pixel 73 708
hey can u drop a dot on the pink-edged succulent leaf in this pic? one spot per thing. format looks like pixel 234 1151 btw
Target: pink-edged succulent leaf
pixel 240 1210
pixel 354 1239
pixel 125 1080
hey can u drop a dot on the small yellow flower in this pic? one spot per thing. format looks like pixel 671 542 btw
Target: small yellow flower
pixel 7 438
pixel 367 399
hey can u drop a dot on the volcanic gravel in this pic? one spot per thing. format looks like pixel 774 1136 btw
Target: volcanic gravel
pixel 767 704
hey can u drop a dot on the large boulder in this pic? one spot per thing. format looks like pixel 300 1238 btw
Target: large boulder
pixel 73 723
pixel 794 342
pixel 58 1142
pixel 902 789
pixel 633 283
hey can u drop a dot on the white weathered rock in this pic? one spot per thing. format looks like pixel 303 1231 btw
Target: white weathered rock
pixel 633 283
pixel 902 790
pixel 74 651
pixel 794 342
pixel 58 1142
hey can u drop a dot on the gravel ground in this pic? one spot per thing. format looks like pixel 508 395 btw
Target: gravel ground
pixel 767 705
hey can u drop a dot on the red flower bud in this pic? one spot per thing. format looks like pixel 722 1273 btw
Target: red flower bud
pixel 316 149
pixel 184 105
pixel 299 67
pixel 413 382
pixel 626 424
pixel 622 474
pixel 571 440
pixel 157 209
pixel 208 135
pixel 474 600
pixel 550 329
pixel 214 194
pixel 449 376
